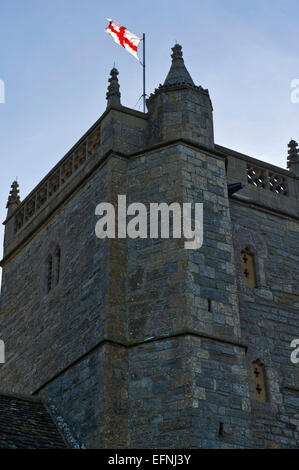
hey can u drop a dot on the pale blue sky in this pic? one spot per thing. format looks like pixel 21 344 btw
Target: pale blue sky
pixel 55 60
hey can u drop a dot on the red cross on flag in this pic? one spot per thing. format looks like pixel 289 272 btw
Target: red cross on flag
pixel 122 36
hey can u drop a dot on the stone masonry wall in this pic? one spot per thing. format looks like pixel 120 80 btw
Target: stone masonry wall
pixel 211 285
pixel 183 389
pixel 181 111
pixel 45 332
pixel 269 319
pixel 92 397
pixel 191 375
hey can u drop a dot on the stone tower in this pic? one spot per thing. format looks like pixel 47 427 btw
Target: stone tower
pixel 140 342
pixel 178 108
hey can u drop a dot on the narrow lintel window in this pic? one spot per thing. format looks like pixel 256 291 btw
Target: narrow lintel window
pixel 248 268
pixel 57 257
pixel 53 269
pixel 49 272
pixel 259 381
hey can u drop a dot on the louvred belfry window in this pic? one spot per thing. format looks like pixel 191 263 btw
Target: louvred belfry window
pixel 248 268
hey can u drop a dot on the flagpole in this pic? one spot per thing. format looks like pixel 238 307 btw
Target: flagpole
pixel 144 95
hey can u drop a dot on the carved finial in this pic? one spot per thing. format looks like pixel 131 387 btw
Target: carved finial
pixel 13 199
pixel 293 150
pixel 293 157
pixel 177 52
pixel 113 93
pixel 178 74
pixel 14 195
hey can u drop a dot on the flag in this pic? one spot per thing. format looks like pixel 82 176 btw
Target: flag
pixel 122 36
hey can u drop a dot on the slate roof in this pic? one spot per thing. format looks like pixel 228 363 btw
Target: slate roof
pixel 25 423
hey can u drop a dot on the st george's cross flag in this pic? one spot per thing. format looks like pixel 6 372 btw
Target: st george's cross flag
pixel 122 36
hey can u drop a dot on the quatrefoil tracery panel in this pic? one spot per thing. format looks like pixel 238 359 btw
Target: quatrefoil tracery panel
pixel 262 178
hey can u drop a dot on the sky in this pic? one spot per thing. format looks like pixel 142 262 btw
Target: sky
pixel 55 60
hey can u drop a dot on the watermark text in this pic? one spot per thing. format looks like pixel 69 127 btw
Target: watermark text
pixel 186 221
pixel 295 92
pixel 295 353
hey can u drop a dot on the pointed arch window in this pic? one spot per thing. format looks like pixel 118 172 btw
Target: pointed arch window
pixel 260 386
pixel 248 268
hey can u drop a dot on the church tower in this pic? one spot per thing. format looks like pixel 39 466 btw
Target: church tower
pixel 141 343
